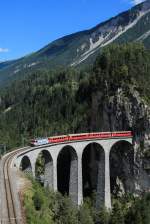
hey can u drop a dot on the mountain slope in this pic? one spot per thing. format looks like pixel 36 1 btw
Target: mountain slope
pixel 82 47
pixel 113 96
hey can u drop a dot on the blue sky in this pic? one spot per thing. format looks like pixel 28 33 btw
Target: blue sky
pixel 28 25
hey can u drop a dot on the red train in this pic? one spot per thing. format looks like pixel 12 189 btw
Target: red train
pixel 77 137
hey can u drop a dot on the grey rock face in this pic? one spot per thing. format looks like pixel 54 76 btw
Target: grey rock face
pixel 126 110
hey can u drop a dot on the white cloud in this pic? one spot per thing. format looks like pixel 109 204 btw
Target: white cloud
pixel 135 2
pixel 3 50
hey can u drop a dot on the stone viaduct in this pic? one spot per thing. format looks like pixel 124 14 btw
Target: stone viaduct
pixel 75 167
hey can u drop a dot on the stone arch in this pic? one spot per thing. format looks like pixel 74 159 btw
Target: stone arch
pixel 67 172
pixel 93 172
pixel 121 168
pixel 44 168
pixel 25 165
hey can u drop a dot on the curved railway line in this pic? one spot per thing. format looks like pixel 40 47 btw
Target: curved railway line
pixel 10 201
pixel 9 194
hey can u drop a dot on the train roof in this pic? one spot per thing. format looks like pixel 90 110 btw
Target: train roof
pixel 87 133
pixel 58 136
pixel 61 136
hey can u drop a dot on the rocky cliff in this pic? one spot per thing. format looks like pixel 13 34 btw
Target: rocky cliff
pixel 126 110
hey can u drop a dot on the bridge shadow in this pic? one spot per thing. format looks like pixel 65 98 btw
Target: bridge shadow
pixel 93 172
pixel 25 165
pixel 44 169
pixel 67 173
pixel 121 168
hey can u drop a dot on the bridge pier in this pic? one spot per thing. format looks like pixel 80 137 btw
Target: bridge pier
pixel 55 174
pixel 80 187
pixel 107 180
pixel 48 175
pixel 33 167
pixel 73 183
pixel 100 191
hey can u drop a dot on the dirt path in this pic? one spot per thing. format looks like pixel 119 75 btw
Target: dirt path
pixel 22 184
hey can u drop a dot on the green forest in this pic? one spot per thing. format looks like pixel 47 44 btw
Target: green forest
pixel 46 207
pixel 47 103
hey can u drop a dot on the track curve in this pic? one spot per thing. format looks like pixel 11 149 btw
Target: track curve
pixel 11 216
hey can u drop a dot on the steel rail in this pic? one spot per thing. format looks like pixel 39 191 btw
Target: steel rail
pixel 9 194
pixel 11 210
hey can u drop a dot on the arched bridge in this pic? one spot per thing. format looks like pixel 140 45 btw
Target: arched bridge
pixel 79 168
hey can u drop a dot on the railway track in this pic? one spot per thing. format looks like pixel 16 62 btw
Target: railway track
pixel 9 194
